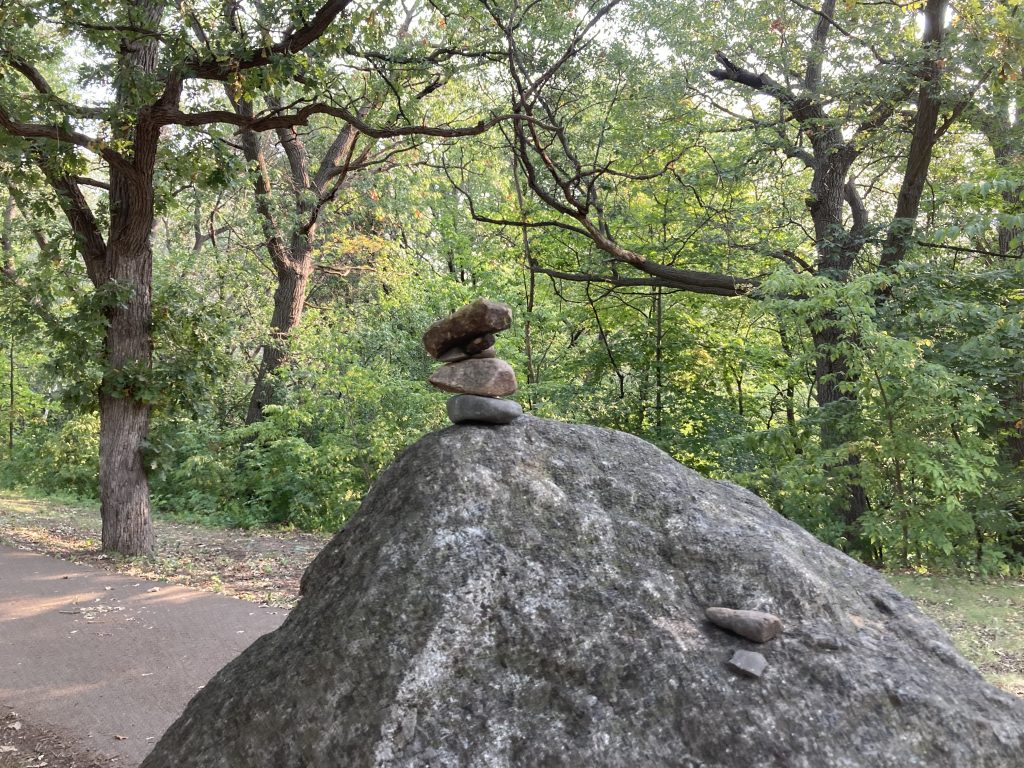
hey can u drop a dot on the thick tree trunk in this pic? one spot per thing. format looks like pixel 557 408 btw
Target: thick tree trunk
pixel 124 488
pixel 126 267
pixel 289 300
pixel 124 411
pixel 837 417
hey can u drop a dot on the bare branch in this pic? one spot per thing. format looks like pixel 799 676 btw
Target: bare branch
pixel 963 249
pixel 87 182
pixel 82 220
pixel 173 116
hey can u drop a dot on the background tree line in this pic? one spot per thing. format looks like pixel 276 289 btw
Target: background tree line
pixel 780 240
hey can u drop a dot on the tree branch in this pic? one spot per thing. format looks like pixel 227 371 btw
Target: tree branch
pixel 35 77
pixel 210 68
pixel 60 134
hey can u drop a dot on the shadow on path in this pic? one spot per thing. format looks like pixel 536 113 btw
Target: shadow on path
pixel 110 661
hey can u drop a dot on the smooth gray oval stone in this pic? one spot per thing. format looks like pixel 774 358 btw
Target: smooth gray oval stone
pixel 489 410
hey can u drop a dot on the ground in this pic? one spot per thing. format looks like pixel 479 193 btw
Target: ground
pixel 984 617
pixel 260 566
pixel 25 745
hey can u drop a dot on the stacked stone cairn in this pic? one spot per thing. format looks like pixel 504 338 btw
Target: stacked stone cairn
pixel 464 341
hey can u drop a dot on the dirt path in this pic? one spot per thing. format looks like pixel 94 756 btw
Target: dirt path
pixel 260 566
pixel 109 661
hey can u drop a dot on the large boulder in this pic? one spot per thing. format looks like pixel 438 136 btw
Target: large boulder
pixel 534 595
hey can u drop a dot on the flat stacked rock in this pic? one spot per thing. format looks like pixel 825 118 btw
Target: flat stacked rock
pixel 464 341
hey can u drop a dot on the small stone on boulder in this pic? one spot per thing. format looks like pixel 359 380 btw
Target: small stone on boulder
pixel 488 410
pixel 753 625
pixel 749 663
pixel 488 377
pixel 474 320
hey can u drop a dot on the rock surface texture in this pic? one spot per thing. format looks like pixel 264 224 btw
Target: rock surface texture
pixel 534 595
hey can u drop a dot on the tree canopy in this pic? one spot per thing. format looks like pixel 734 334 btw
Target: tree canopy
pixel 781 240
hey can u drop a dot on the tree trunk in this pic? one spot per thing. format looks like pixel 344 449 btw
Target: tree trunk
pixel 124 411
pixel 922 144
pixel 291 252
pixel 126 269
pixel 837 248
pixel 837 413
pixel 7 246
pixel 124 488
pixel 289 300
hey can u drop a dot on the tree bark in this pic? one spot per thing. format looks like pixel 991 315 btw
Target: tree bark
pixel 289 301
pixel 126 270
pixel 922 143
pixel 128 351
pixel 837 414
pixel 7 247
pixel 291 252
pixel 837 248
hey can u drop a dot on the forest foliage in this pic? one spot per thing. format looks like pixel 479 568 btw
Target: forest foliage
pixel 649 196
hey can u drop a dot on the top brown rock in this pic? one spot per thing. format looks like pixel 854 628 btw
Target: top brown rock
pixel 474 320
